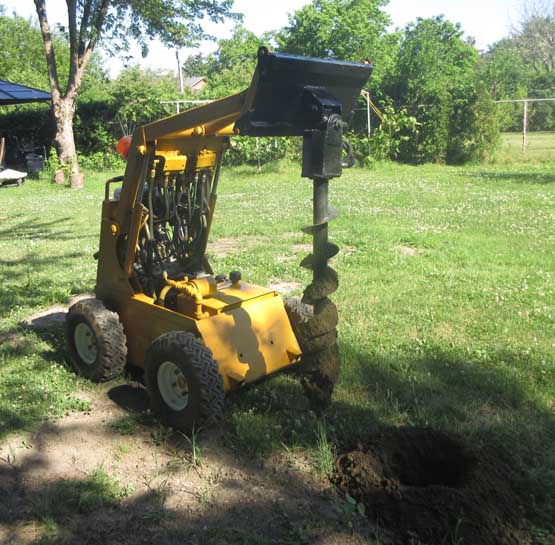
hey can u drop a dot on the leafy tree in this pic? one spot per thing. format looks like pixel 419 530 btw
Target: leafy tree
pixel 230 68
pixel 22 60
pixel 353 30
pixel 535 37
pixel 175 22
pixel 504 70
pixel 138 92
pixel 437 80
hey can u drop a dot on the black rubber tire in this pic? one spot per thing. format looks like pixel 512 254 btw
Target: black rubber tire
pixel 110 340
pixel 205 384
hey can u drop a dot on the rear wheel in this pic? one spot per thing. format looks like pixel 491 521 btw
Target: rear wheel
pixel 183 381
pixel 96 340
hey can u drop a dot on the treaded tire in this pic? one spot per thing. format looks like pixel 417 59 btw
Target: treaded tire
pixel 109 336
pixel 194 359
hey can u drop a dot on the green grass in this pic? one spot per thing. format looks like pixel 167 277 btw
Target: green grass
pixel 446 301
pixel 540 146
pixel 64 497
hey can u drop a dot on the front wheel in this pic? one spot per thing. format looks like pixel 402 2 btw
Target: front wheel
pixel 96 340
pixel 183 381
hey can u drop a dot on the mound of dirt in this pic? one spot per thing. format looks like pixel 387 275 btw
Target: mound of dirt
pixel 420 485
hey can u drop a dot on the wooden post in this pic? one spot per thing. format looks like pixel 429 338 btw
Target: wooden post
pixel 525 127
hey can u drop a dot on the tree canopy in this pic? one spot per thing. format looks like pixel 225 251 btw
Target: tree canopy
pixel 114 23
pixel 352 30
pixel 435 86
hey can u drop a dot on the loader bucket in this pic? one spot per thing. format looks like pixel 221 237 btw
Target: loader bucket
pixel 288 93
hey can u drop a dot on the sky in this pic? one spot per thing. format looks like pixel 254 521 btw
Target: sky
pixel 485 20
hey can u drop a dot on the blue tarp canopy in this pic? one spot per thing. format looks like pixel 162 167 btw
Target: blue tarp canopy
pixel 12 93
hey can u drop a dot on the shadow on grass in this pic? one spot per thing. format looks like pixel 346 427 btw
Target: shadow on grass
pixel 35 383
pixel 24 282
pixel 241 505
pixel 37 229
pixel 524 176
pixel 489 401
pixel 60 513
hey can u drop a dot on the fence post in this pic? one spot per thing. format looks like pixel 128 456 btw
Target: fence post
pixel 525 127
pixel 368 119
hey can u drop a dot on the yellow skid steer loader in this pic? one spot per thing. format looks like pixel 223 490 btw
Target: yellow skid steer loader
pixel 159 306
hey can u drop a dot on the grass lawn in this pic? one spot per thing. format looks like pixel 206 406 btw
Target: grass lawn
pixel 540 146
pixel 446 301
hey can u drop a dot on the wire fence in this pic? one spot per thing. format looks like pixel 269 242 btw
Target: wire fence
pixel 527 128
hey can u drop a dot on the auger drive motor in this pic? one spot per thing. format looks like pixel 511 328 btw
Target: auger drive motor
pixel 159 305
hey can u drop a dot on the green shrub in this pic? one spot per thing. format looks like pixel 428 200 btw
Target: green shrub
pixel 246 150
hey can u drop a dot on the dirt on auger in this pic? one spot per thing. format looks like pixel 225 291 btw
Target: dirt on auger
pixel 423 486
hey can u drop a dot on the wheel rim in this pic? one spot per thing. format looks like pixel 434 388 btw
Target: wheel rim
pixel 173 386
pixel 85 343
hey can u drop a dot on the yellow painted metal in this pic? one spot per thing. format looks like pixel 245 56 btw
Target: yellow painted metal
pixel 174 161
pixel 144 321
pixel 206 159
pixel 248 331
pixel 251 340
pixel 245 326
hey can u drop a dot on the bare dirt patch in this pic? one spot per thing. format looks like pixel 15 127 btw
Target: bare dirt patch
pixel 227 246
pixel 53 316
pixel 410 250
pixel 425 486
pixel 219 497
pixel 284 287
pixel 303 247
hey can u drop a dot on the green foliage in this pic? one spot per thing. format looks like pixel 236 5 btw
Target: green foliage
pixel 101 160
pixel 259 151
pixel 504 71
pixel 137 94
pixel 324 455
pixel 68 496
pixel 22 60
pixel 175 22
pixel 134 97
pixel 230 68
pixel 396 128
pixel 353 30
pixel 53 163
pixel 437 81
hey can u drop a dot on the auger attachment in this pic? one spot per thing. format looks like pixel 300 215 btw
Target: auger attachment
pixel 312 98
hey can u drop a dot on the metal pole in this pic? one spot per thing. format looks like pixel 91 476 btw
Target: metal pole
pixel 368 120
pixel 525 127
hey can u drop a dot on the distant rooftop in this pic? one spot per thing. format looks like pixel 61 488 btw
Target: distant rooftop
pixel 192 81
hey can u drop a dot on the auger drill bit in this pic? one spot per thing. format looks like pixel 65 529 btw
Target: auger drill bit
pixel 321 367
pixel 312 98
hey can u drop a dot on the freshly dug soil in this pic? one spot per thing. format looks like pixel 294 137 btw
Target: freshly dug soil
pixel 420 485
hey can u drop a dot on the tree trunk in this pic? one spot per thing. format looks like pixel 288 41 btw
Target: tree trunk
pixel 63 110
